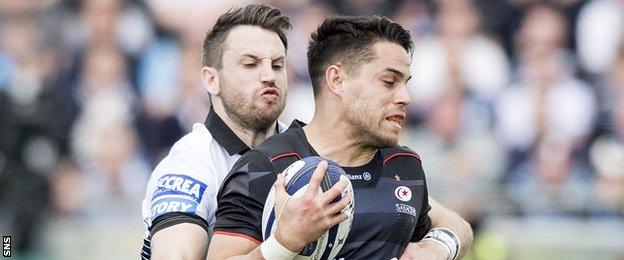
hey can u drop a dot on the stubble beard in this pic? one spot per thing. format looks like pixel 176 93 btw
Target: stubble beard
pixel 246 112
pixel 362 126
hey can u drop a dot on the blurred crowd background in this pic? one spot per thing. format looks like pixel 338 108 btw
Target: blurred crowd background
pixel 517 111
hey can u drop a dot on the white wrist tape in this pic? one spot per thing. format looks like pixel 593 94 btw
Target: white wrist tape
pixel 438 241
pixel 447 238
pixel 272 249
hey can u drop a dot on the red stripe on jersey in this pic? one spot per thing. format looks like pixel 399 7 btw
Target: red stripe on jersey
pixel 237 235
pixel 286 155
pixel 402 154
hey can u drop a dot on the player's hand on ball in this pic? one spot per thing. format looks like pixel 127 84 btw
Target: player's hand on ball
pixel 424 250
pixel 304 219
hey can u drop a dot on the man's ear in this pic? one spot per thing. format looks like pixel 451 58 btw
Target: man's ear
pixel 210 80
pixel 334 77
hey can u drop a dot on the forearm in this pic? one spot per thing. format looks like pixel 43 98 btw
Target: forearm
pixel 444 218
pixel 234 247
pixel 255 254
pixel 182 241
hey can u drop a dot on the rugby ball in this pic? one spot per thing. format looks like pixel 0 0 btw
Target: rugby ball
pixel 297 176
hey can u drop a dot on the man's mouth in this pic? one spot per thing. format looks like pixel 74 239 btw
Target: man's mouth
pixel 396 119
pixel 270 95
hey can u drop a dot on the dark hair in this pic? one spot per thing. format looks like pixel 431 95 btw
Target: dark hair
pixel 350 40
pixel 263 16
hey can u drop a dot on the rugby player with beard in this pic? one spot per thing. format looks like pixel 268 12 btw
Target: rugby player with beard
pixel 244 73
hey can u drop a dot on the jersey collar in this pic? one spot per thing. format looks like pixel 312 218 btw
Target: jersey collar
pixel 224 135
pixel 375 165
pixel 297 127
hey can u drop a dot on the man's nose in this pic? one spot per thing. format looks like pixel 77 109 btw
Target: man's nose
pixel 267 75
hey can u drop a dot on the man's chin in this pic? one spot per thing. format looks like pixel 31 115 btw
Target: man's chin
pixel 269 111
pixel 380 141
pixel 266 119
pixel 389 141
pixel 389 144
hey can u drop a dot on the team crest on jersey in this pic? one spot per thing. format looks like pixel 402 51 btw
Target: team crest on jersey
pixel 176 193
pixel 403 193
pixel 367 176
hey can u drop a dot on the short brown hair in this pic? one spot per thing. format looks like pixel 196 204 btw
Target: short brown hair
pixel 260 15
pixel 349 40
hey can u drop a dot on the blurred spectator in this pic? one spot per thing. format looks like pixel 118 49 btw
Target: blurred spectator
pixel 365 7
pixel 114 22
pixel 463 164
pixel 188 15
pixel 456 74
pixel 104 138
pixel 607 156
pixel 607 152
pixel 458 58
pixel 67 189
pixel 25 8
pixel 416 17
pixel 195 101
pixel 552 181
pixel 546 99
pixel 300 102
pixel 169 70
pixel 159 71
pixel 304 19
pixel 598 34
pixel 546 117
pixel 35 116
pixel 503 18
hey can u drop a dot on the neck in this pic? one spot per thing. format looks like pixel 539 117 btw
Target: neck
pixel 331 138
pixel 251 137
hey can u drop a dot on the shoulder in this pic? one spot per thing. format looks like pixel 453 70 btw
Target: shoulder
pixel 400 153
pixel 197 140
pixel 194 147
pixel 256 169
pixel 183 180
pixel 253 160
pixel 282 145
pixel 187 161
pixel 401 159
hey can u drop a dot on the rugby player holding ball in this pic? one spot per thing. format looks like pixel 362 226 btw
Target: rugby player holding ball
pixel 359 71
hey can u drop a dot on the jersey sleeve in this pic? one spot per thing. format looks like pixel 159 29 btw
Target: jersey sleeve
pixel 424 222
pixel 242 196
pixel 181 190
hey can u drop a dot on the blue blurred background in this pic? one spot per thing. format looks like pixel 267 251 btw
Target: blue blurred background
pixel 517 111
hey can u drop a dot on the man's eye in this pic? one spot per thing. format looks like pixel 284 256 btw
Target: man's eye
pixel 389 83
pixel 249 65
pixel 278 66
